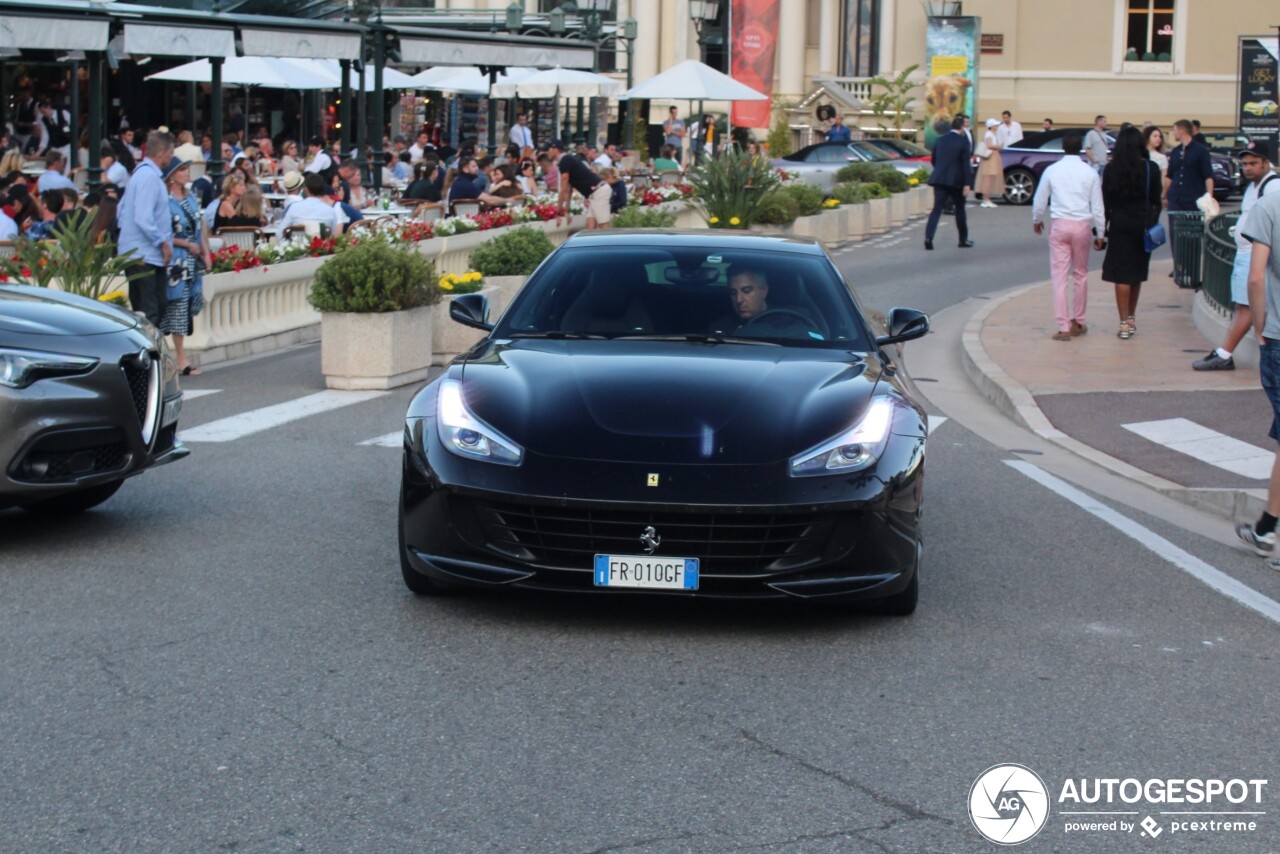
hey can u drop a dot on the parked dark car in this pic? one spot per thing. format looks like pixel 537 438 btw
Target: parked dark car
pixel 1025 161
pixel 818 164
pixel 88 398
pixel 904 148
pixel 622 428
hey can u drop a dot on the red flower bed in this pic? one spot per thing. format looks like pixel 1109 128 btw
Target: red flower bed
pixel 494 219
pixel 416 231
pixel 546 213
pixel 231 259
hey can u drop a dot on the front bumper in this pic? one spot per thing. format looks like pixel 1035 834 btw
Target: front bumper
pixel 476 524
pixel 63 434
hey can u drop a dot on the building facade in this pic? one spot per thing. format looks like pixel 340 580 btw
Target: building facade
pixel 1133 60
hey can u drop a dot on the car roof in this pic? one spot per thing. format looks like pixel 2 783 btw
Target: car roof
pixel 688 237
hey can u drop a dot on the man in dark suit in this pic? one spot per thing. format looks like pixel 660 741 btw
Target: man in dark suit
pixel 951 179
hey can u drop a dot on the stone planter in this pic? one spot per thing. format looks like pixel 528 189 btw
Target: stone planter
pixel 833 226
pixel 807 226
pixel 925 200
pixel 898 209
pixel 376 351
pixel 781 230
pixel 449 338
pixel 859 221
pixel 878 216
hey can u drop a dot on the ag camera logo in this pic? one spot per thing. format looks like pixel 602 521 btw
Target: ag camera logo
pixel 1009 804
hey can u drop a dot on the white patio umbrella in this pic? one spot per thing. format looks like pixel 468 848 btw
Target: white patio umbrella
pixel 470 81
pixel 692 80
pixel 267 72
pixel 392 78
pixel 559 82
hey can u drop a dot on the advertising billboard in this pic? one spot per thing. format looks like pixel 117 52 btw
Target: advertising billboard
pixel 952 47
pixel 1259 65
pixel 754 44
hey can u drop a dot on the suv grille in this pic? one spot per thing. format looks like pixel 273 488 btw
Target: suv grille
pixel 139 380
pixel 727 543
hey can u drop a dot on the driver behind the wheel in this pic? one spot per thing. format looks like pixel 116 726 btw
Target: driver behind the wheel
pixel 748 297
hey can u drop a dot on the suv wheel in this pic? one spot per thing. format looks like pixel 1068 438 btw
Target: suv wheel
pixel 1019 186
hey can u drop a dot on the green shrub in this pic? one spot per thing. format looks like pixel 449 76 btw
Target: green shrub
pixel 850 192
pixel 876 190
pixel 729 188
pixel 807 198
pixel 778 142
pixel 777 208
pixel 515 253
pixel 637 216
pixel 374 276
pixel 886 176
pixel 921 175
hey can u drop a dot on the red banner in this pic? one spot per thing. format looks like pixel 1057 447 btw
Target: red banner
pixel 753 47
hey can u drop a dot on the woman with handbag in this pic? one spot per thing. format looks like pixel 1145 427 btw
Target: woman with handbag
pixel 1131 190
pixel 990 180
pixel 186 270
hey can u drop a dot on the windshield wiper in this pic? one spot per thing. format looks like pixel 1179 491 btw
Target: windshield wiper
pixel 694 338
pixel 557 335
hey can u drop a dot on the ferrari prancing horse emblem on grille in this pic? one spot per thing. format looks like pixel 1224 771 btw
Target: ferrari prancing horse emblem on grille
pixel 653 480
pixel 650 539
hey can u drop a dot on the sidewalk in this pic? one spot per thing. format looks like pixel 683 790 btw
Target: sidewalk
pixel 1135 407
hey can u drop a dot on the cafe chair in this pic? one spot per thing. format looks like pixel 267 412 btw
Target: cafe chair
pixel 363 226
pixel 8 249
pixel 428 212
pixel 240 236
pixel 669 178
pixel 466 207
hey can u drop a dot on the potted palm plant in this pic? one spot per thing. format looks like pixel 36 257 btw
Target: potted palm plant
pixel 375 301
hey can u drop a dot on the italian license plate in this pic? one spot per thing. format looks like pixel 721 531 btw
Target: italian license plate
pixel 649 573
pixel 172 409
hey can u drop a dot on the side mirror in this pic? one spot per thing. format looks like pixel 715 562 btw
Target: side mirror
pixel 905 324
pixel 471 310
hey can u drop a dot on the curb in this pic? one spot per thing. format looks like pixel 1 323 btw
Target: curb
pixel 1016 401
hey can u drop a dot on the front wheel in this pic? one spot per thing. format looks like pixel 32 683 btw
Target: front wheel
pixel 74 502
pixel 1019 186
pixel 418 583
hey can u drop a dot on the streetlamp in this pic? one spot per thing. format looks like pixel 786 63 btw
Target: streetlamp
pixel 704 14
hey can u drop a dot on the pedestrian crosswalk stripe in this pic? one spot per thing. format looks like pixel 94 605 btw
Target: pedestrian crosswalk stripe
pixel 390 440
pixel 936 421
pixel 257 420
pixel 193 393
pixel 1207 446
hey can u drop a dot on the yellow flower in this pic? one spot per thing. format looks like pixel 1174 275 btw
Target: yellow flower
pixel 913 181
pixel 472 277
pixel 446 285
pixel 114 296
pixel 733 220
pixel 714 220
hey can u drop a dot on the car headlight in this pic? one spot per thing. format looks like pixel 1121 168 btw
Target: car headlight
pixel 468 436
pixel 20 368
pixel 856 448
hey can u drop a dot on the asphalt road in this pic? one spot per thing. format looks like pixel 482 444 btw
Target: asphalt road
pixel 223 656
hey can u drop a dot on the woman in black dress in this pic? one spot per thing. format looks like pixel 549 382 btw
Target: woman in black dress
pixel 1131 189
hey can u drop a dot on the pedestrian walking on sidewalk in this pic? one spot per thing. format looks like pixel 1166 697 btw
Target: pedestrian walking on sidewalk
pixel 146 229
pixel 951 178
pixel 1263 231
pixel 990 180
pixel 1131 192
pixel 1255 163
pixel 1072 192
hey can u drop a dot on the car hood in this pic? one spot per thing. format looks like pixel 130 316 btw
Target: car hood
pixel 40 311
pixel 669 402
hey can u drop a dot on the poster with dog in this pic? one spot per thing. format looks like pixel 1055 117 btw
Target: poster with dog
pixel 951 51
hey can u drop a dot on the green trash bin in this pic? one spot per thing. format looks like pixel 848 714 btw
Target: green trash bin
pixel 1186 236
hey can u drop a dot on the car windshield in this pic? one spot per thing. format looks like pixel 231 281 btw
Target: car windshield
pixel 905 146
pixel 688 293
pixel 873 153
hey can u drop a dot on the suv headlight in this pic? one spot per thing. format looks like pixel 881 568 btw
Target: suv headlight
pixel 468 436
pixel 856 448
pixel 20 368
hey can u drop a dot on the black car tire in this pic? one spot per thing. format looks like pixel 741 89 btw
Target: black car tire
pixel 902 604
pixel 1019 186
pixel 74 502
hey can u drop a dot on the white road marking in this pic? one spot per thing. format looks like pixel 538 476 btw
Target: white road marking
pixel 390 440
pixel 1187 562
pixel 936 421
pixel 193 393
pixel 257 420
pixel 1207 446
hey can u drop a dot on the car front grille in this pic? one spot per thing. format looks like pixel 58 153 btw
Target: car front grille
pixel 726 542
pixel 47 466
pixel 139 380
pixel 165 440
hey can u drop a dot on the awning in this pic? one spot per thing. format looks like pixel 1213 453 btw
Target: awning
pixel 457 52
pixel 30 33
pixel 305 45
pixel 149 40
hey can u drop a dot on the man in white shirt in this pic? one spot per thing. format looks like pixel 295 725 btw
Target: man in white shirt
pixel 1009 131
pixel 1072 192
pixel 312 207
pixel 608 157
pixel 416 150
pixel 1255 163
pixel 320 162
pixel 521 134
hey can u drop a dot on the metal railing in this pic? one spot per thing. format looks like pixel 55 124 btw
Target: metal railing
pixel 1219 257
pixel 1186 236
